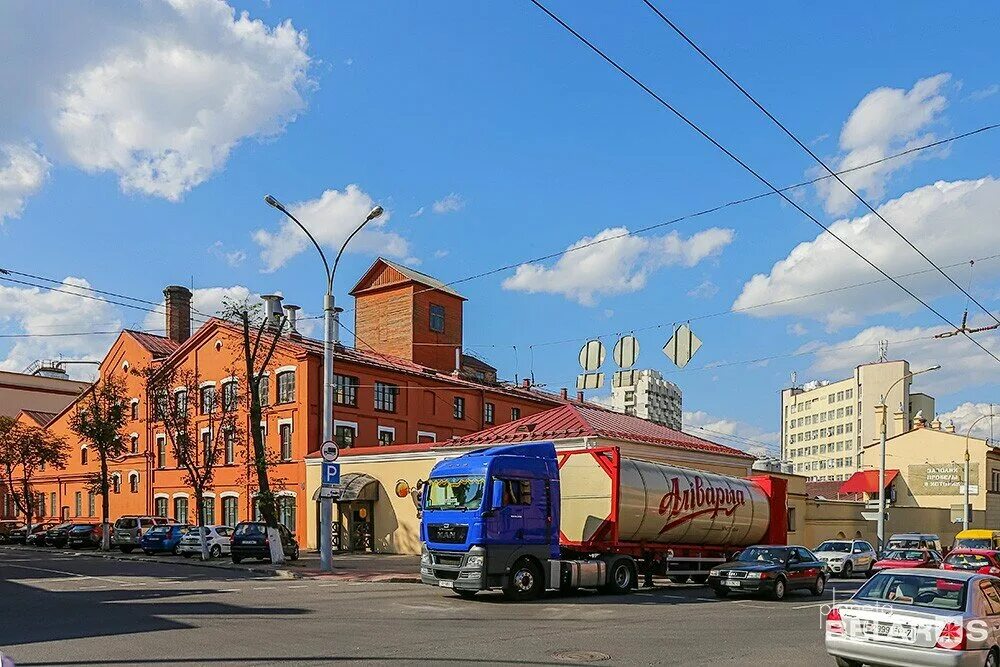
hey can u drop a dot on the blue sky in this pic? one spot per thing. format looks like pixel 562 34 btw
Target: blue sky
pixel 137 156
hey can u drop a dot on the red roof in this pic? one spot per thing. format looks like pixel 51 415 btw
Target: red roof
pixel 574 420
pixel 866 481
pixel 41 418
pixel 158 346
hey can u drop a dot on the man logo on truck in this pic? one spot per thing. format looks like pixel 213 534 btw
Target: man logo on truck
pixel 684 506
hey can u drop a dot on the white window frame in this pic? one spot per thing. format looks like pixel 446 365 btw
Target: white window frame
pixel 386 429
pixel 427 434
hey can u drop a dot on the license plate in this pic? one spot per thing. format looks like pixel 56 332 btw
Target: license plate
pixel 890 631
pixel 446 584
pixel 734 584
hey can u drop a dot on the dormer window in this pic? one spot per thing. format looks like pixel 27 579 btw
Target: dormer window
pixel 437 318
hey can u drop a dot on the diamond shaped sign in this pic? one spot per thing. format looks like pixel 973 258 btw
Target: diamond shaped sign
pixel 682 346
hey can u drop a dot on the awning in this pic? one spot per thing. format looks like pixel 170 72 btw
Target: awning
pixel 354 486
pixel 866 481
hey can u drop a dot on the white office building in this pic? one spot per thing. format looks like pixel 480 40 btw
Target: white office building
pixel 650 397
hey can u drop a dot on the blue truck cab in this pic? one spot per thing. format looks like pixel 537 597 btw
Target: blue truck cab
pixel 490 520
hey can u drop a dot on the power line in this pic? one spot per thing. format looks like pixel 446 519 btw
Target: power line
pixel 694 126
pixel 812 154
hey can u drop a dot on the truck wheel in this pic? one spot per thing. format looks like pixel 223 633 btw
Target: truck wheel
pixel 621 578
pixel 525 581
pixel 678 579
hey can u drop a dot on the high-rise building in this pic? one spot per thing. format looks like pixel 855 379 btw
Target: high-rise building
pixel 651 397
pixel 824 425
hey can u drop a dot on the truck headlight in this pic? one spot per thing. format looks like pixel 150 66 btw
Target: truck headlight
pixel 474 561
pixel 425 557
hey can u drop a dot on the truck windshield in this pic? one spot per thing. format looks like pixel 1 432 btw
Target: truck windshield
pixel 448 493
pixel 974 543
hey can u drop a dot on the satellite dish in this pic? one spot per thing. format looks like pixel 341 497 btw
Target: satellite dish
pixel 626 351
pixel 592 355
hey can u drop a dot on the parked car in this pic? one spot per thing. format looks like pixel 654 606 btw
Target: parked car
pixel 218 541
pixel 917 617
pixel 769 570
pixel 128 529
pixel 983 561
pixel 249 540
pixel 25 536
pixel 7 526
pixel 56 536
pixel 846 557
pixel 977 539
pixel 163 538
pixel 914 541
pixel 83 535
pixel 911 558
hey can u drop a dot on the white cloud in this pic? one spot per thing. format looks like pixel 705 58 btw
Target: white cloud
pixel 419 212
pixel 983 93
pixel 886 121
pixel 706 290
pixel 617 264
pixel 157 93
pixel 330 218
pixel 951 222
pixel 233 258
pixel 448 204
pixel 963 365
pixel 797 329
pixel 439 254
pixel 967 414
pixel 22 172
pixel 732 432
pixel 43 312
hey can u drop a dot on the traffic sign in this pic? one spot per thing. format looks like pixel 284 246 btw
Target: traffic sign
pixel 592 355
pixel 873 516
pixel 330 451
pixel 682 346
pixel 626 351
pixel 331 474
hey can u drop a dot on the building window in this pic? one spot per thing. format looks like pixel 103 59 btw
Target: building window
pixel 206 447
pixel 230 511
pixel 181 509
pixel 83 455
pixel 791 519
pixel 286 512
pixel 161 451
pixel 134 443
pixel 437 318
pixel 385 396
pixel 116 484
pixel 426 436
pixel 386 435
pixel 133 483
pixel 160 406
pixel 229 396
pixel 78 503
pixel 286 387
pixel 135 409
pixel 848 393
pixel 345 390
pixel 208 400
pixel 263 391
pixel 161 507
pixel 831 398
pixel 208 510
pixel 52 504
pixel 230 441
pixel 849 410
pixel 91 504
pixel 345 435
pixel 180 404
pixel 515 414
pixel 285 436
pixel 459 408
pixel 489 413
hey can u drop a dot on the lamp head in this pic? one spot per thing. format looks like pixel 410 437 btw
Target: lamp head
pixel 271 201
pixel 375 212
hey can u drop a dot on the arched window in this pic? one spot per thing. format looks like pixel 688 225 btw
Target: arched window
pixel 83 455
pixel 133 482
pixel 116 483
pixel 134 445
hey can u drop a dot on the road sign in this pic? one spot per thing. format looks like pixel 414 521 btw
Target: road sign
pixel 624 378
pixel 682 346
pixel 626 351
pixel 873 516
pixel 331 473
pixel 329 492
pixel 330 451
pixel 592 355
pixel 590 381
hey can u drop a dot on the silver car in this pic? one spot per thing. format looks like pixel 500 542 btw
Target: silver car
pixel 845 557
pixel 918 617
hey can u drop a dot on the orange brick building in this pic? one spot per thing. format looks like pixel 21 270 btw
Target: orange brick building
pixel 405 381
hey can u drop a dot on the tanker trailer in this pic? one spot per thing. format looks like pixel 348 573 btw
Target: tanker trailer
pixel 526 518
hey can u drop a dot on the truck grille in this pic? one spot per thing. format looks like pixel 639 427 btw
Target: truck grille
pixel 447 533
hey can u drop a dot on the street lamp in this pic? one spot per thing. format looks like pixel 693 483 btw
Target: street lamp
pixel 331 336
pixel 965 507
pixel 881 467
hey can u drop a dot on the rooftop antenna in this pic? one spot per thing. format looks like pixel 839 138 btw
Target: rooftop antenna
pixel 795 378
pixel 883 351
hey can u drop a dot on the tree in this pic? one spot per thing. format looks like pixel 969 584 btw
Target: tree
pixel 260 336
pixel 98 419
pixel 24 450
pixel 199 430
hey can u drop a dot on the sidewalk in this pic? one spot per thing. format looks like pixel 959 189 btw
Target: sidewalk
pixel 384 568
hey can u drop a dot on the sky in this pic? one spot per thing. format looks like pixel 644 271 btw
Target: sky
pixel 137 143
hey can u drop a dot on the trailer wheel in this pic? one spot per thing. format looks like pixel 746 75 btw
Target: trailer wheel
pixel 525 581
pixel 621 577
pixel 678 579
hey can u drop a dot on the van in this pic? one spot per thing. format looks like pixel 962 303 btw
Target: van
pixel 978 539
pixel 128 529
pixel 914 541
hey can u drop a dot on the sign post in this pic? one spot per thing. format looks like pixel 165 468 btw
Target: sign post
pixel 330 452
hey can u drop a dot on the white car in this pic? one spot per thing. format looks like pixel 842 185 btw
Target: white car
pixel 218 541
pixel 847 557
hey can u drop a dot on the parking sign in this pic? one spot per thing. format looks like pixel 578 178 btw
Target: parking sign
pixel 331 474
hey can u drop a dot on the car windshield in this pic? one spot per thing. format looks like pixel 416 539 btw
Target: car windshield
pixel 464 493
pixel 905 554
pixel 840 547
pixel 83 527
pixel 762 555
pixel 250 529
pixel 967 561
pixel 126 523
pixel 915 589
pixel 974 543
pixel 903 544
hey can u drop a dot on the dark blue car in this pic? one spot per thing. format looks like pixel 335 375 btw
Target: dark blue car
pixel 163 539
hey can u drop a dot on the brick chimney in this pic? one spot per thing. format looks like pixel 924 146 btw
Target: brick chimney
pixel 178 315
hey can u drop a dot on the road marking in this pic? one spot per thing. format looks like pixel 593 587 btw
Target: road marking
pixel 298 586
pixel 813 604
pixel 263 588
pixel 70 574
pixel 230 590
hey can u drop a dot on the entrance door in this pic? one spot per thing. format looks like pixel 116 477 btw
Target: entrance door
pixel 361 526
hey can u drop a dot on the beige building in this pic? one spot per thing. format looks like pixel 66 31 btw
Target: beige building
pixel 826 425
pixel 38 392
pixel 650 397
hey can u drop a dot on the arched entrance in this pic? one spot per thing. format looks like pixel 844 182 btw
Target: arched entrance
pixel 354 520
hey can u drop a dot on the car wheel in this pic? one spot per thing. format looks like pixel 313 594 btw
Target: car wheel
pixel 237 559
pixel 779 589
pixel 125 550
pixel 621 578
pixel 295 553
pixel 215 551
pixel 848 570
pixel 525 581
pixel 844 662
pixel 819 586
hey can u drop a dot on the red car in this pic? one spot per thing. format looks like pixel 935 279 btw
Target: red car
pixel 898 558
pixel 983 561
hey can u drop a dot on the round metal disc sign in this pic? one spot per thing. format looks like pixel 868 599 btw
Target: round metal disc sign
pixel 626 351
pixel 592 355
pixel 330 451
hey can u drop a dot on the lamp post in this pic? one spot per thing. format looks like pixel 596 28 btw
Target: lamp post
pixel 331 336
pixel 881 467
pixel 965 506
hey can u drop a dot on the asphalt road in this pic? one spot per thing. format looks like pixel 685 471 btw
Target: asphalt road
pixel 62 609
